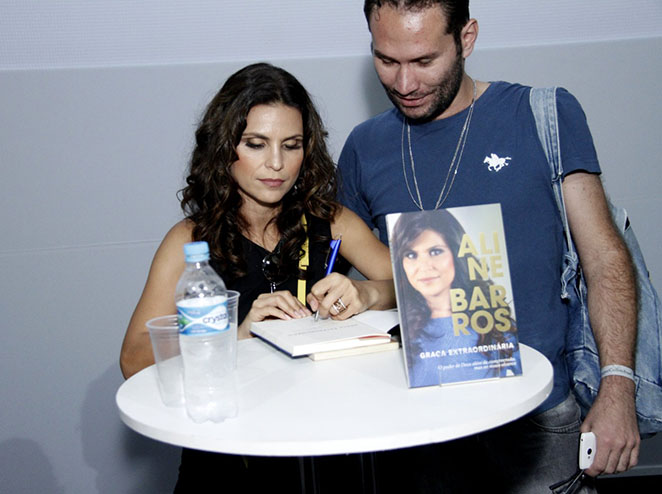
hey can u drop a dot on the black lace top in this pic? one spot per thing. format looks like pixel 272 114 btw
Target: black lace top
pixel 251 285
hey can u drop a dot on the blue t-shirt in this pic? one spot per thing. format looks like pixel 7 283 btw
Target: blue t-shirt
pixel 502 131
pixel 437 356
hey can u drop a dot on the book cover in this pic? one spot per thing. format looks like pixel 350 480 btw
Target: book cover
pixel 455 300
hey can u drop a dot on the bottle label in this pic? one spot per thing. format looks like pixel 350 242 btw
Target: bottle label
pixel 203 316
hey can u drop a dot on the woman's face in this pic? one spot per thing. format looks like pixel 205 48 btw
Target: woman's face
pixel 270 154
pixel 429 266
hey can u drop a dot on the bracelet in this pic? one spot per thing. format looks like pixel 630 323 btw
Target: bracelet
pixel 617 370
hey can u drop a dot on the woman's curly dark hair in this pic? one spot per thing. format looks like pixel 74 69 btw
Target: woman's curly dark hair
pixel 407 229
pixel 211 199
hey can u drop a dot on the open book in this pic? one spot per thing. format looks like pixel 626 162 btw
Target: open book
pixel 306 336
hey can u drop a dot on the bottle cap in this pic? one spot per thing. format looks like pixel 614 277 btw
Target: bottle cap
pixel 196 251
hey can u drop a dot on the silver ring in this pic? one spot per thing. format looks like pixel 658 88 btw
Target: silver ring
pixel 339 306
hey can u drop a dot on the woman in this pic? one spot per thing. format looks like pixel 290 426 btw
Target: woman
pixel 426 247
pixel 261 192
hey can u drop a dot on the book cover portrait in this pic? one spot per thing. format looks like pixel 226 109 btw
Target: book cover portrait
pixel 452 279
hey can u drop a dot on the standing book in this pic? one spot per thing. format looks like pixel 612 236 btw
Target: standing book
pixel 455 299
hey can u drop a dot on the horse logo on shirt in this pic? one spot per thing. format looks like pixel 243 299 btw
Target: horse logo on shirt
pixel 494 163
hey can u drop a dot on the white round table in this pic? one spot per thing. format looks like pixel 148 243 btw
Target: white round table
pixel 298 407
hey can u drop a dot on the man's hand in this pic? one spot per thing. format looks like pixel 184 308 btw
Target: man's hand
pixel 613 420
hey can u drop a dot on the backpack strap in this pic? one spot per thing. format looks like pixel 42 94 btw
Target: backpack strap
pixel 543 106
pixel 581 350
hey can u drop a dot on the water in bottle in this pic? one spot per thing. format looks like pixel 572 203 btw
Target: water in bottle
pixel 207 345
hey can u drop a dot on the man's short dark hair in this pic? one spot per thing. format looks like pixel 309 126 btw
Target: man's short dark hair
pixel 456 11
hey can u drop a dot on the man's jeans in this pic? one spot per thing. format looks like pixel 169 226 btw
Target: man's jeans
pixel 525 456
pixel 530 454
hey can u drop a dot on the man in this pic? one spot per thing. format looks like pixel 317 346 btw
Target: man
pixel 452 141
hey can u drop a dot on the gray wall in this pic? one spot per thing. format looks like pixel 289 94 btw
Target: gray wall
pixel 91 160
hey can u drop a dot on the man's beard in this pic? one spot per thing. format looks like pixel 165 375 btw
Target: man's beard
pixel 445 93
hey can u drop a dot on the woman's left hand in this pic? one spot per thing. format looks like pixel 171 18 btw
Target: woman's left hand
pixel 339 297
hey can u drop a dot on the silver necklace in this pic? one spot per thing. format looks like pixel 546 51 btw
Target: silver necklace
pixel 453 167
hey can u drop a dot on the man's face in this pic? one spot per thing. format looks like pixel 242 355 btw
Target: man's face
pixel 418 63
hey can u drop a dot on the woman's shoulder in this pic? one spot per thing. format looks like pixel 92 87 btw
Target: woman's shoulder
pixel 182 230
pixel 345 219
pixel 167 265
pixel 173 242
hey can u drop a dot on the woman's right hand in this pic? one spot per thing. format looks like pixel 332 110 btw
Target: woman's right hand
pixel 278 305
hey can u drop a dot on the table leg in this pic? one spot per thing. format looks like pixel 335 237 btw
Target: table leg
pixel 309 477
pixel 368 481
pixel 359 470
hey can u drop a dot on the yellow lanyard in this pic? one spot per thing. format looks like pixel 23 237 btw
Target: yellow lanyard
pixel 303 265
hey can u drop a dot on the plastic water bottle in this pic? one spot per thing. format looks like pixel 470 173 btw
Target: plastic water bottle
pixel 207 346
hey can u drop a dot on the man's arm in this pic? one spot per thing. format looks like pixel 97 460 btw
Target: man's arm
pixel 612 305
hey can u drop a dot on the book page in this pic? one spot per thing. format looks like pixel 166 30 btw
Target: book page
pixel 304 336
pixel 382 320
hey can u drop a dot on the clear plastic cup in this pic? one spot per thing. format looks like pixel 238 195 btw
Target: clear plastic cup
pixel 164 334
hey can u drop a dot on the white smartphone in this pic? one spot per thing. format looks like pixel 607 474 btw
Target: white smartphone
pixel 587 447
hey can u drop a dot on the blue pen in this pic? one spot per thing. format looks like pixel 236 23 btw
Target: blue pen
pixel 335 246
pixel 333 254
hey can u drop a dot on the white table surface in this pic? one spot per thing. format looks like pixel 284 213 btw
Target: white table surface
pixel 297 407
